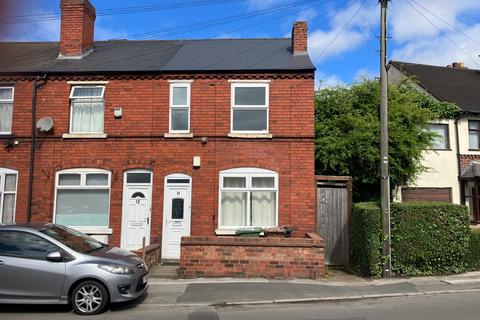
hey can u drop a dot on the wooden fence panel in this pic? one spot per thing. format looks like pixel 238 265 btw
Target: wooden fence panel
pixel 333 221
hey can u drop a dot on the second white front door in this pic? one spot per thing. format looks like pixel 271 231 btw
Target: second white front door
pixel 176 216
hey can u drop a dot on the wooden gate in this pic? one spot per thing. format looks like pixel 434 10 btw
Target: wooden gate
pixel 334 207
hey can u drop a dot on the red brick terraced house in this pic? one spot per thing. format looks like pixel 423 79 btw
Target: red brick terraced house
pixel 157 139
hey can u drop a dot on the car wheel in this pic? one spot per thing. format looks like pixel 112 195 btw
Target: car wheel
pixel 89 298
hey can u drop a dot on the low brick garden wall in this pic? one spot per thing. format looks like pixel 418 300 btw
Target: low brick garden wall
pixel 280 258
pixel 152 254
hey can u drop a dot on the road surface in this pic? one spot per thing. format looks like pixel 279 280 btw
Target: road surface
pixel 461 306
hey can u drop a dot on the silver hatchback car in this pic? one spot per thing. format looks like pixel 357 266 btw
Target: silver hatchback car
pixel 53 264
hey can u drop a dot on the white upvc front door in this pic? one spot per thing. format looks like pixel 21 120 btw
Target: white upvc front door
pixel 136 218
pixel 176 214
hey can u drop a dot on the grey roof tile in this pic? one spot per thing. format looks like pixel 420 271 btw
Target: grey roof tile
pixel 460 86
pixel 157 56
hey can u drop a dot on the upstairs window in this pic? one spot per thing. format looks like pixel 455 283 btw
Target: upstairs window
pixel 179 107
pixel 87 109
pixel 8 195
pixel 248 198
pixel 474 134
pixel 6 109
pixel 249 108
pixel 82 197
pixel 441 141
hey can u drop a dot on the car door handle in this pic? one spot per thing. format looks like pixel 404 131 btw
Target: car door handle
pixel 2 263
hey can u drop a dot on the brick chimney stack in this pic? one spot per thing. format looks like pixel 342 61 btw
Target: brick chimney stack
pixel 300 38
pixel 77 28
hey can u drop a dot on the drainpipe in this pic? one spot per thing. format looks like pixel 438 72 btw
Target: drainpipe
pixel 459 167
pixel 37 83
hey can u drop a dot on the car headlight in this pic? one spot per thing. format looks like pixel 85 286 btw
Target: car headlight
pixel 116 269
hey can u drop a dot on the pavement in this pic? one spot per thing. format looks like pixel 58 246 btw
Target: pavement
pixel 167 291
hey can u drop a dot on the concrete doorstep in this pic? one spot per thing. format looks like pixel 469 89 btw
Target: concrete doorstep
pixel 231 292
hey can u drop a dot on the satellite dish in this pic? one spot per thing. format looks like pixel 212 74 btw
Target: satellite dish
pixel 45 124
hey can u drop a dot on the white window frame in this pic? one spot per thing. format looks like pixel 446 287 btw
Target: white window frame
pixel 248 174
pixel 3 173
pixel 177 84
pixel 476 131
pixel 8 101
pixel 73 99
pixel 446 137
pixel 83 186
pixel 266 106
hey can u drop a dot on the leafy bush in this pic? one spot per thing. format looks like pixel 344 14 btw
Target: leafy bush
pixel 367 239
pixel 427 238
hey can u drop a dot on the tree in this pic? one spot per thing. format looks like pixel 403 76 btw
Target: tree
pixel 347 133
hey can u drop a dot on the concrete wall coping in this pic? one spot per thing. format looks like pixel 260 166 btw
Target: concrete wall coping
pixel 312 240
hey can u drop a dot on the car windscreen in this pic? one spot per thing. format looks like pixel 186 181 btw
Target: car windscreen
pixel 73 239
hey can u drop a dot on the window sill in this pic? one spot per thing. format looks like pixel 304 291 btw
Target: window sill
pixel 6 134
pixel 475 150
pixel 84 136
pixel 94 230
pixel 178 135
pixel 251 135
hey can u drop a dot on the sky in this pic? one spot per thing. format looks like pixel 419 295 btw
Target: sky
pixel 343 34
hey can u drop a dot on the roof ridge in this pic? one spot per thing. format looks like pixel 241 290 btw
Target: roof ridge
pixel 152 40
pixel 28 42
pixel 432 66
pixel 191 40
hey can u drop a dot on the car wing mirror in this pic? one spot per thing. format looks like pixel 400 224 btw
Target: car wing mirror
pixel 54 256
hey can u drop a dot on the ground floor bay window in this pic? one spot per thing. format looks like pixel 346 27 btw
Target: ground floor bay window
pixel 248 198
pixel 82 198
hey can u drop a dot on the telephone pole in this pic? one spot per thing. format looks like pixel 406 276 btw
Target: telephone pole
pixel 384 166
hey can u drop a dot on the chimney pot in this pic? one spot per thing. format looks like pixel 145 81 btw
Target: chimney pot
pixel 458 65
pixel 77 28
pixel 300 38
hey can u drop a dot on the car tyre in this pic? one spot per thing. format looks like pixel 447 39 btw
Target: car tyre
pixel 89 297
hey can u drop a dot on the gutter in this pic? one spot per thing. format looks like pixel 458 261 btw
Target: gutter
pixel 36 85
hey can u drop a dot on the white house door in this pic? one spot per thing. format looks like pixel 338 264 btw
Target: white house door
pixel 136 216
pixel 176 215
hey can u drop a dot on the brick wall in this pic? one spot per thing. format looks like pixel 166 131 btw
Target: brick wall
pixel 282 258
pixel 152 254
pixel 466 160
pixel 137 141
pixel 145 104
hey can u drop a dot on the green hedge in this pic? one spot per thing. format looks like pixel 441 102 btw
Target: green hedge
pixel 474 250
pixel 367 239
pixel 427 238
